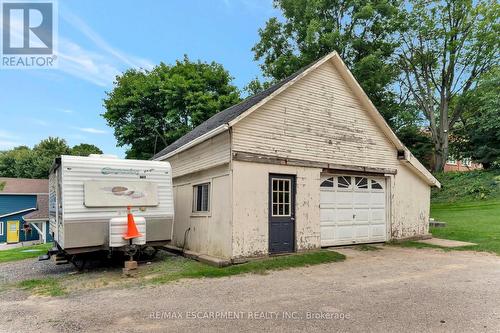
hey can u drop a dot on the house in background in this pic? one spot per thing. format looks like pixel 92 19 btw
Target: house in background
pixel 24 212
pixel 306 163
pixel 465 164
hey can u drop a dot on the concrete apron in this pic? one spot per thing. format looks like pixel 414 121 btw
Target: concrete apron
pixel 445 242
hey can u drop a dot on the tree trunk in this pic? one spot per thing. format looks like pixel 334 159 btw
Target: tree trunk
pixel 441 150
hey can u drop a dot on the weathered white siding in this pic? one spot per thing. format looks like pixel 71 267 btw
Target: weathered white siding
pixel 208 154
pixel 410 200
pixel 208 233
pixel 251 209
pixel 318 119
pixel 76 170
pixel 80 226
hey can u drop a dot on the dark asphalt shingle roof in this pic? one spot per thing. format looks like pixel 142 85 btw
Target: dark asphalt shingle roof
pixel 42 205
pixel 23 185
pixel 228 114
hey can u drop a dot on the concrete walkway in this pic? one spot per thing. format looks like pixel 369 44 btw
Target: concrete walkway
pixel 445 242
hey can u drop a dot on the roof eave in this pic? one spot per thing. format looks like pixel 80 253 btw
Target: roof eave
pixel 18 212
pixel 37 219
pixel 418 168
pixel 210 134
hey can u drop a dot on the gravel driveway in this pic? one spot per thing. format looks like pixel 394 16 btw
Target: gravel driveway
pixel 391 290
pixel 32 269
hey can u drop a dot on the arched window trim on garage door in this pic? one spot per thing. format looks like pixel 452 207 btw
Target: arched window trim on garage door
pixel 349 182
pixel 327 182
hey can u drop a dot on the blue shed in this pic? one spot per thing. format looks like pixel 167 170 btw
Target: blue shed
pixel 24 213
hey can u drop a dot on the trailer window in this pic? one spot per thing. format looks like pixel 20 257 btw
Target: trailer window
pixel 201 197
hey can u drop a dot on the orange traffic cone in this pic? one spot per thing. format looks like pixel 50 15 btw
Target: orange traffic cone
pixel 132 231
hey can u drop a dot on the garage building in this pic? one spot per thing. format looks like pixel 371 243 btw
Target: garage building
pixel 307 163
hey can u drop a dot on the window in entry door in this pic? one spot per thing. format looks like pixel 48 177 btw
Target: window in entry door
pixel 281 197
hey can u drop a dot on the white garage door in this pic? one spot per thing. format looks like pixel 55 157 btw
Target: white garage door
pixel 352 210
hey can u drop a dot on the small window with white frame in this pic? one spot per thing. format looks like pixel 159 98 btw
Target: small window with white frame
pixel 1 228
pixel 451 160
pixel 201 198
pixel 466 162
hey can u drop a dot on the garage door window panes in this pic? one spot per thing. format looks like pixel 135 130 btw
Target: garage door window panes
pixel 376 185
pixel 281 197
pixel 344 182
pixel 361 182
pixel 327 182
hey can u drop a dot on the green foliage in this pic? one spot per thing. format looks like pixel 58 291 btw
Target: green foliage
pixel 45 152
pixel 467 186
pixel 446 47
pixel 419 143
pixel 85 149
pixel 17 162
pixel 186 268
pixel 255 86
pixel 23 162
pixel 151 109
pixel 479 135
pixel 360 31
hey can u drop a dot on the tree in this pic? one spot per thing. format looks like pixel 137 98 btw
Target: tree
pixel 409 127
pixel 85 149
pixel 447 46
pixel 24 162
pixel 151 109
pixel 478 136
pixel 360 31
pixel 17 163
pixel 255 86
pixel 44 154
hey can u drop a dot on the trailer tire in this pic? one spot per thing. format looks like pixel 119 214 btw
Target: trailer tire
pixel 79 263
pixel 148 253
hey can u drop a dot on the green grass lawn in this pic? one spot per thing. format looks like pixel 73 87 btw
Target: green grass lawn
pixel 168 269
pixel 179 268
pixel 43 287
pixel 19 253
pixel 476 222
pixel 469 202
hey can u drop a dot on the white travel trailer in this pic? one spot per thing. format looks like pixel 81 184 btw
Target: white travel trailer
pixel 89 195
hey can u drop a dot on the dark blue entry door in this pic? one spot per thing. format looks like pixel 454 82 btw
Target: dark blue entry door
pixel 281 213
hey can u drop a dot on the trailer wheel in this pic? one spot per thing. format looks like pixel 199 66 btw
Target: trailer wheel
pixel 79 263
pixel 148 253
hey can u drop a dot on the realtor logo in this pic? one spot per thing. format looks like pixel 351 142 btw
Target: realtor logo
pixel 28 34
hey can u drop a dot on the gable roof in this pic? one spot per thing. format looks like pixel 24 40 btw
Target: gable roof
pixel 42 209
pixel 23 186
pixel 26 210
pixel 227 115
pixel 223 120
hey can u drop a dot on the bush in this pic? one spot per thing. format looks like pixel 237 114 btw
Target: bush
pixel 467 186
